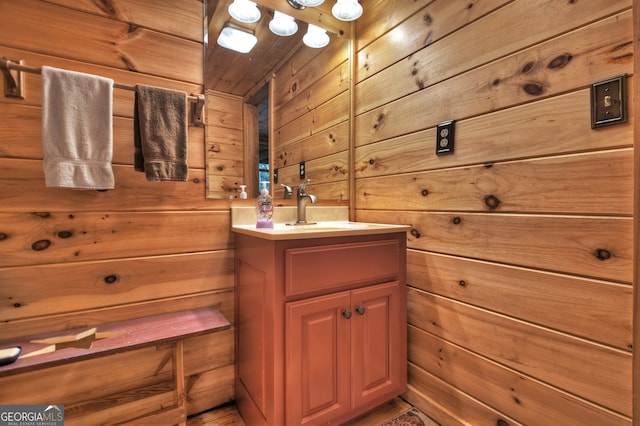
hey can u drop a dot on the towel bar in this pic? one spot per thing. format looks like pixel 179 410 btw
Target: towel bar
pixel 14 86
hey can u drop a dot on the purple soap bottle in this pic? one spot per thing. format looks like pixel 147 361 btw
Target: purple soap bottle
pixel 264 208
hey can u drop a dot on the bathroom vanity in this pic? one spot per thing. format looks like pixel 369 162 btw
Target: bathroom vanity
pixel 320 321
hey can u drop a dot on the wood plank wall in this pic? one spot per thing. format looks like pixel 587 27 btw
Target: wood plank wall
pixel 141 249
pixel 520 253
pixel 225 145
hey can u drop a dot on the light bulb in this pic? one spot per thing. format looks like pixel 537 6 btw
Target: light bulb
pixel 244 11
pixel 347 10
pixel 310 3
pixel 283 25
pixel 315 37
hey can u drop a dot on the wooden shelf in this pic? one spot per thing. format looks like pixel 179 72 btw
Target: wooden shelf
pixel 105 339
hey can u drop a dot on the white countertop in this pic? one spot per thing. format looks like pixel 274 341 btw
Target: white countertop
pixel 330 221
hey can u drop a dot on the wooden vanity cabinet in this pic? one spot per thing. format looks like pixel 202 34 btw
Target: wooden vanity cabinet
pixel 321 327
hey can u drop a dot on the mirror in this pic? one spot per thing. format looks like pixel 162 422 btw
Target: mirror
pixel 236 86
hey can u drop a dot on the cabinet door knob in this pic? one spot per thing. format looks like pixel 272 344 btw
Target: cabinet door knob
pixel 346 313
pixel 360 310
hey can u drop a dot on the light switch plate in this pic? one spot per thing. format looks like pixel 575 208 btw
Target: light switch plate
pixel 445 137
pixel 609 102
pixel 303 172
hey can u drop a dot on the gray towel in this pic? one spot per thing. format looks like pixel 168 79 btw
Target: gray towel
pixel 77 131
pixel 160 133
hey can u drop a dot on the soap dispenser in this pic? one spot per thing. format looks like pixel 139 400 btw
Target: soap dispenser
pixel 243 192
pixel 264 209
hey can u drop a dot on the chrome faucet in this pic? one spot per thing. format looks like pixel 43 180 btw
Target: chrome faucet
pixel 301 198
pixel 287 191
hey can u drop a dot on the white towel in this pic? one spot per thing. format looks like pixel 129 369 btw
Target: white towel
pixel 77 130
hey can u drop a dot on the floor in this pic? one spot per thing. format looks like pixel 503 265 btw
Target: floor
pixel 228 416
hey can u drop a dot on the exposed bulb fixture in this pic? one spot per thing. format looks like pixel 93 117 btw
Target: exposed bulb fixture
pixel 346 10
pixel 236 38
pixel 315 37
pixel 294 4
pixel 310 3
pixel 283 25
pixel 244 11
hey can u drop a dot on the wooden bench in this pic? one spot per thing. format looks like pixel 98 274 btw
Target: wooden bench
pixel 71 346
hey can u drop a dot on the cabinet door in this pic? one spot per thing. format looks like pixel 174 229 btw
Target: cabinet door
pixel 317 359
pixel 378 348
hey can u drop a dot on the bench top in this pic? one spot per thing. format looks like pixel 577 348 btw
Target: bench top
pixel 63 347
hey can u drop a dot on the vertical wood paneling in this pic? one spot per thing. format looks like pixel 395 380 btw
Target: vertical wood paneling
pixel 534 253
pixel 79 258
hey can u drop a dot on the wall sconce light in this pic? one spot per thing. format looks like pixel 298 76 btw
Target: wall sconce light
pixel 236 38
pixel 347 10
pixel 283 25
pixel 244 11
pixel 315 37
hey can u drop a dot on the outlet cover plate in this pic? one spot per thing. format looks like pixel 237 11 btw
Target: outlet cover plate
pixel 445 137
pixel 609 102
pixel 303 172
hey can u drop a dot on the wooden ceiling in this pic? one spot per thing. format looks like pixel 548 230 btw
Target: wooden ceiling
pixel 246 74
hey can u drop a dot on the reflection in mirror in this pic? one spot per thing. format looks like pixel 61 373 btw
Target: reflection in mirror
pixel 233 83
pixel 263 141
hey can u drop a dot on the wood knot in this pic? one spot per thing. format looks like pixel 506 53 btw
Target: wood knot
pixel 462 283
pixel 492 201
pixel 41 245
pixel 456 220
pixel 528 67
pixel 415 232
pixel 107 7
pixel 3 236
pixel 65 234
pixel 379 121
pixel 425 192
pixel 196 180
pixel 372 161
pixel 502 422
pixel 427 19
pixel 534 89
pixel 560 61
pixel 111 279
pixel 43 215
pixel 133 28
pixel 294 87
pixel 603 254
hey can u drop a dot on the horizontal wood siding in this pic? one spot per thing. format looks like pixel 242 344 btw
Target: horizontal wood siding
pixel 79 258
pixel 520 253
pixel 225 145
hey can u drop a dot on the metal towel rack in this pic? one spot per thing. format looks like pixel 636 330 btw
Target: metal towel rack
pixel 14 86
